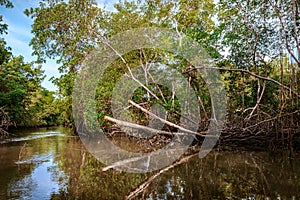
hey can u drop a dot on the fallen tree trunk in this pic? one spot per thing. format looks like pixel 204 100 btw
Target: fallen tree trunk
pixel 202 134
pixel 137 126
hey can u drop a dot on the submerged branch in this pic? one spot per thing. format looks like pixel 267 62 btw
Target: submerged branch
pixel 122 163
pixel 145 184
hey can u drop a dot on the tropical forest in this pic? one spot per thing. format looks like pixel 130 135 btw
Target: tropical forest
pixel 153 99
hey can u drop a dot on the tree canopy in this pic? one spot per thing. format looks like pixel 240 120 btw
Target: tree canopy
pixel 254 44
pixel 23 101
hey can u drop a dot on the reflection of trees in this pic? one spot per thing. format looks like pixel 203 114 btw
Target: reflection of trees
pixel 228 175
pixel 220 175
pixel 86 180
pixel 16 180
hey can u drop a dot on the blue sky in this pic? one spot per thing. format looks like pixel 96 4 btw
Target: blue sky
pixel 19 34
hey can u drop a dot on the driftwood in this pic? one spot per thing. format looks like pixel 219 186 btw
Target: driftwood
pixel 22 152
pixel 145 184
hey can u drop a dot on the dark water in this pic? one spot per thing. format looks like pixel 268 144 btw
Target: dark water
pixel 50 164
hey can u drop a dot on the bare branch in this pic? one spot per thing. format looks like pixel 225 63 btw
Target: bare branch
pixel 137 126
pixel 254 75
pixel 259 99
pixel 128 68
pixel 169 123
pixel 152 130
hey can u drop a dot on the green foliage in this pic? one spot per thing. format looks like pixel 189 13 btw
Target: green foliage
pixel 250 31
pixel 18 80
pixel 42 109
pixel 66 31
pixel 70 30
pixel 3 26
pixel 21 95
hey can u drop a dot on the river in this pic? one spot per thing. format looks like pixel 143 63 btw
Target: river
pixel 49 163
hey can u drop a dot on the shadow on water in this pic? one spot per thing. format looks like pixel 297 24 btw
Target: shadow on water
pixel 50 164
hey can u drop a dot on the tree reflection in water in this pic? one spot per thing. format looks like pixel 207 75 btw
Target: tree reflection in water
pixel 74 173
pixel 220 175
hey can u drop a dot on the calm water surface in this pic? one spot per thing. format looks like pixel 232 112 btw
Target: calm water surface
pixel 48 163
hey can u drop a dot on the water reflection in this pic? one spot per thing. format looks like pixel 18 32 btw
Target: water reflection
pixel 230 175
pixel 41 183
pixel 57 166
pixel 28 168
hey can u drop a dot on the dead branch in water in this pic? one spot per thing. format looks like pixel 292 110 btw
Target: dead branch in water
pixel 145 184
pixel 133 159
pixel 22 151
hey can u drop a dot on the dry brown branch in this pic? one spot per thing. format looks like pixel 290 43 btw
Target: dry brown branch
pixel 270 119
pixel 4 132
pixel 5 122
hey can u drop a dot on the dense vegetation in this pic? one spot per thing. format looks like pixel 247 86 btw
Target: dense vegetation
pixel 23 102
pixel 260 68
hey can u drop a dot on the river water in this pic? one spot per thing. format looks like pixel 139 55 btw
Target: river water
pixel 49 163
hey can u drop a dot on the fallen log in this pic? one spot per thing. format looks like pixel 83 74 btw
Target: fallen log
pixel 137 126
pixel 202 134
